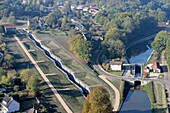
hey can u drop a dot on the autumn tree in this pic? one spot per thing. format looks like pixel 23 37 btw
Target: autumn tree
pixel 97 102
pixel 81 47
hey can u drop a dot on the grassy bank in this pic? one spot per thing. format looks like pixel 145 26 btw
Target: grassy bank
pixel 156 94
pixel 123 87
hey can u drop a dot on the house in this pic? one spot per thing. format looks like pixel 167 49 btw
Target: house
pixel 9 29
pixel 93 11
pixel 116 66
pixel 80 7
pixel 9 105
pixel 146 69
pixel 85 9
pixel 156 67
pixel 36 23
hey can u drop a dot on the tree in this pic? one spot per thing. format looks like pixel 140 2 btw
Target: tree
pixel 12 20
pixel 113 48
pixel 6 79
pixel 159 42
pixel 64 19
pixel 81 47
pixel 25 75
pixel 8 61
pixel 32 83
pixel 51 19
pixel 97 102
pixel 16 88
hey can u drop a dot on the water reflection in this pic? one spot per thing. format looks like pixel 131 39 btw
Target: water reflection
pixel 136 102
pixel 140 52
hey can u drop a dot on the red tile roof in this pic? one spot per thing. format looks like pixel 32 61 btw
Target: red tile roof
pixel 115 63
pixel 156 66
pixel 9 26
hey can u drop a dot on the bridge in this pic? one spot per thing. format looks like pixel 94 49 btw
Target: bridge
pixel 138 64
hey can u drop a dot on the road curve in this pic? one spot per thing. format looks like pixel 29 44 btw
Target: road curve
pixel 117 94
pixel 57 95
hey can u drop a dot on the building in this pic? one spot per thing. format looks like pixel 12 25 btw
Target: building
pixel 116 66
pixel 9 105
pixel 85 9
pixel 9 29
pixel 156 67
pixel 146 69
pixel 93 11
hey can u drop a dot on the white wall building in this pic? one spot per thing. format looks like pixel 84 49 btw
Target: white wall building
pixel 116 66
pixel 9 105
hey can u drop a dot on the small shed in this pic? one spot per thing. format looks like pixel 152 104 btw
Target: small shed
pixel 116 66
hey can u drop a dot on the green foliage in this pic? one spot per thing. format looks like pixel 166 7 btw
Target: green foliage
pixel 6 79
pixel 97 102
pixel 12 20
pixel 150 91
pixel 167 52
pixel 32 83
pixel 51 19
pixel 8 61
pixel 25 75
pixel 159 42
pixel 16 88
pixel 113 48
pixel 81 47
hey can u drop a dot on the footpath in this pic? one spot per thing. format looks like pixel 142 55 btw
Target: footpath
pixel 57 95
pixel 117 94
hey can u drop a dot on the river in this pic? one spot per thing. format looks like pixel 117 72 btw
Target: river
pixel 137 101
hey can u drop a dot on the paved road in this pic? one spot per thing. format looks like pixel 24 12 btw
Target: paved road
pixel 57 95
pixel 167 76
pixel 117 94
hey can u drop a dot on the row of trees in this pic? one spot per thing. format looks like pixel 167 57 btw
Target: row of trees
pixel 81 47
pixel 25 80
pixel 7 60
pixel 160 41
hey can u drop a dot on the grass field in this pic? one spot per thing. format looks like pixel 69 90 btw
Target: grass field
pixel 72 95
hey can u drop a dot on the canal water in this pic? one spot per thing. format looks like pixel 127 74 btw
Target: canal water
pixel 140 52
pixel 137 101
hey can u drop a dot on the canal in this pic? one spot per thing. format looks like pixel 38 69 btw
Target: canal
pixel 137 101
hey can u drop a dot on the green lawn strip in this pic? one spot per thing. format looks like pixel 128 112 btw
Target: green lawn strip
pixel 160 97
pixel 149 88
pixel 69 92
